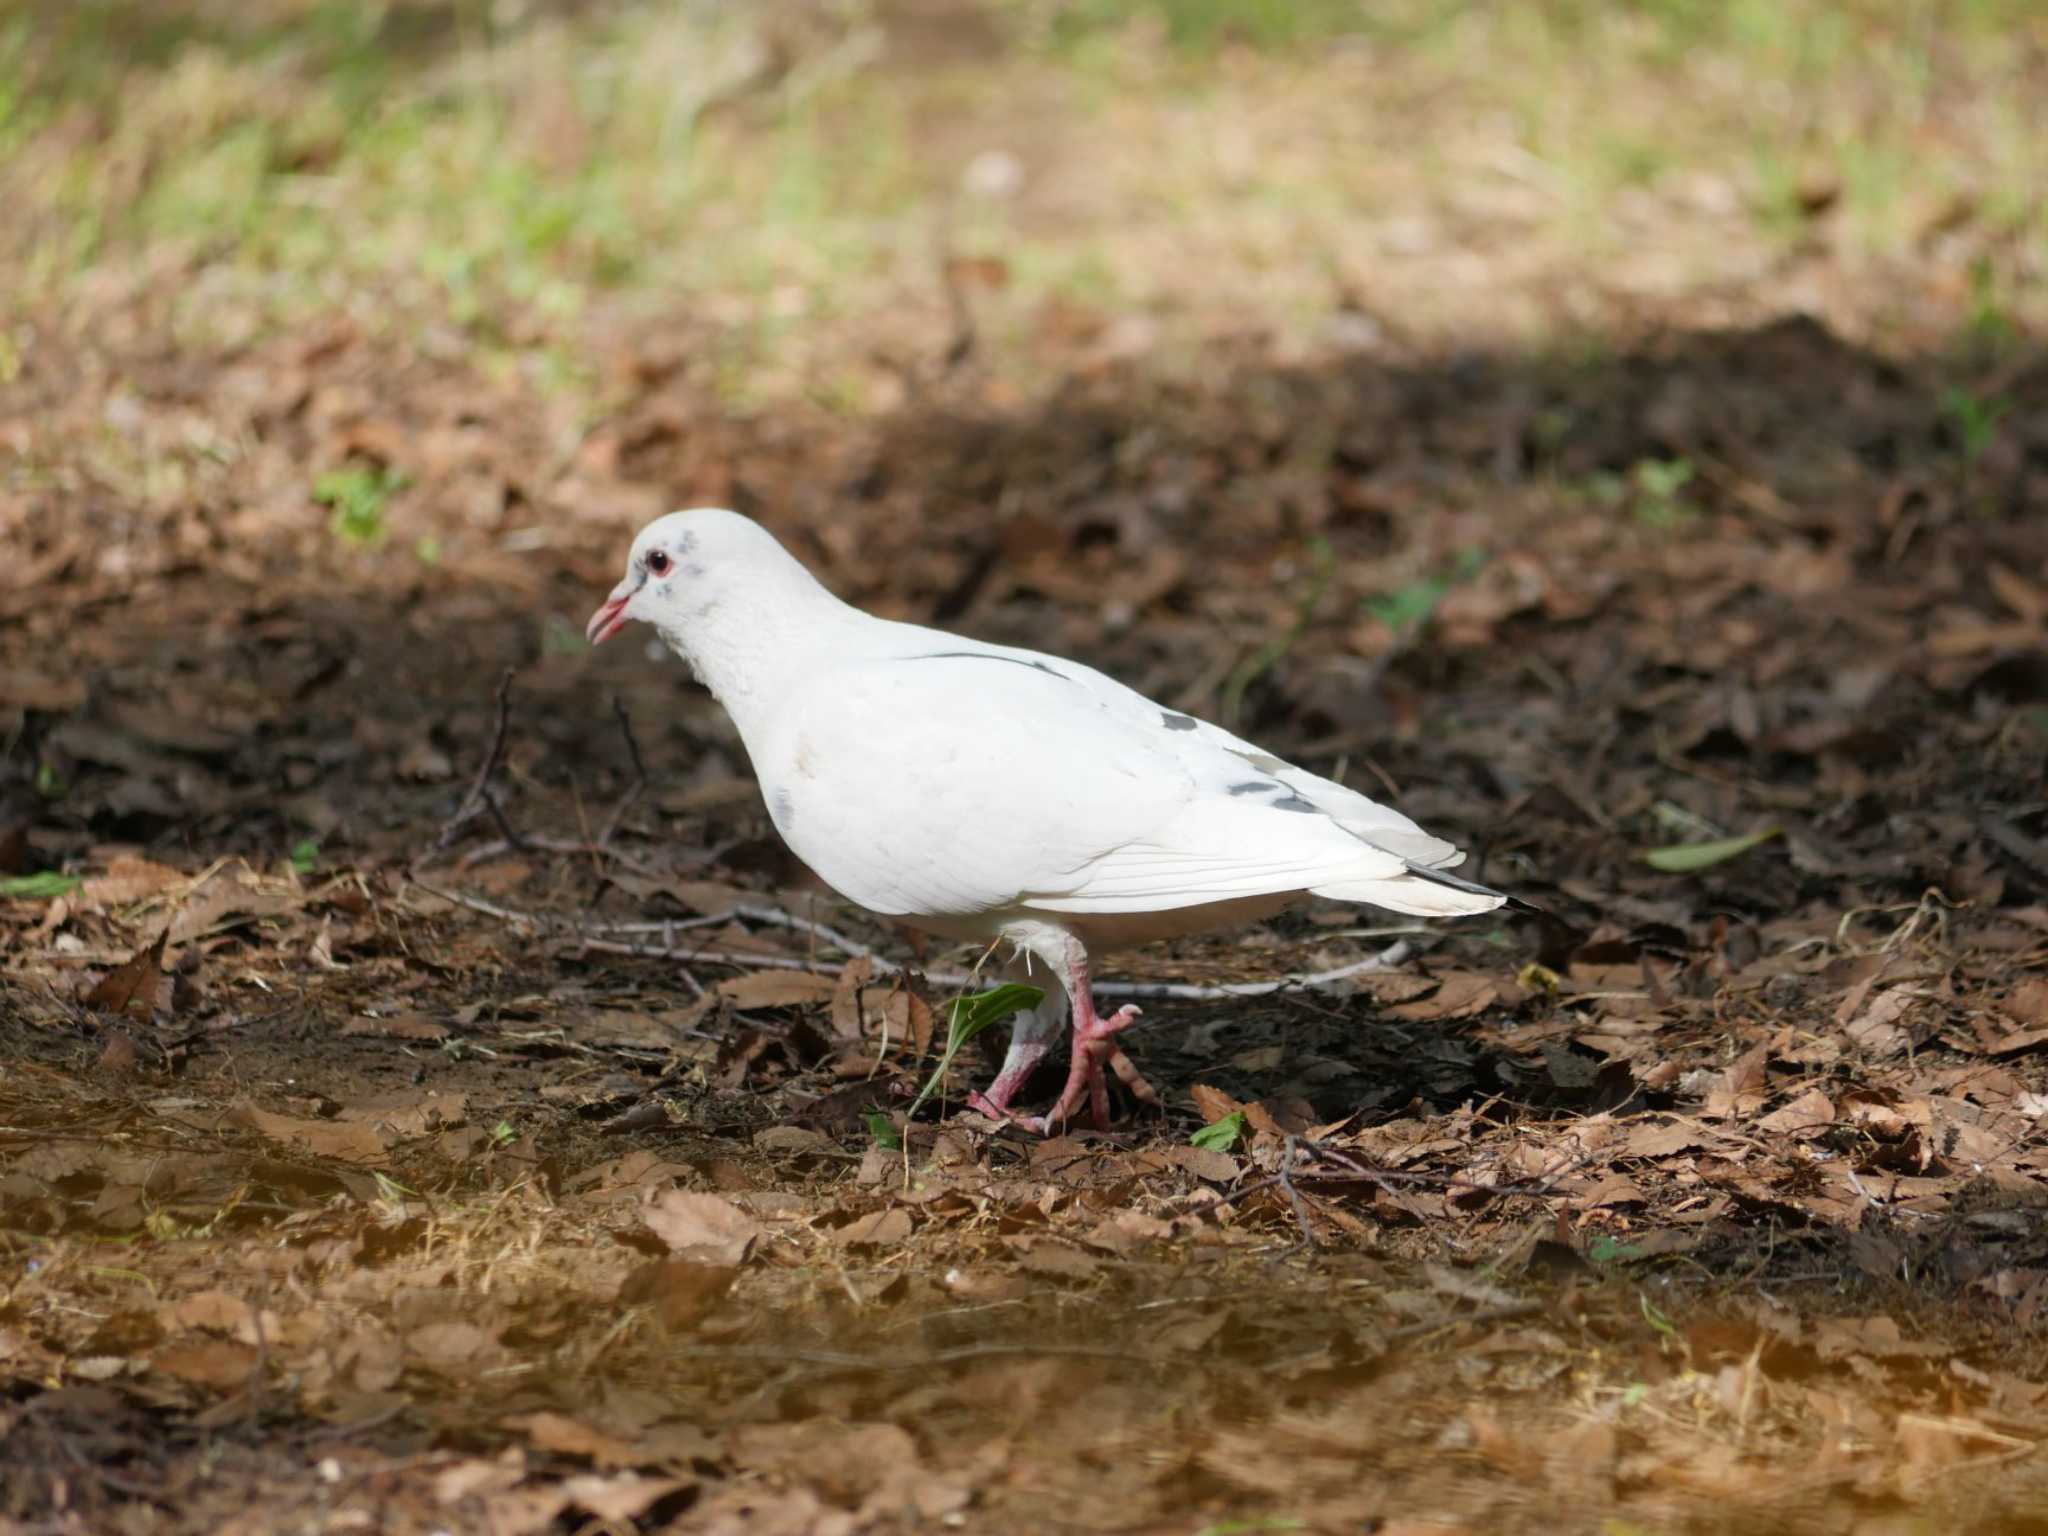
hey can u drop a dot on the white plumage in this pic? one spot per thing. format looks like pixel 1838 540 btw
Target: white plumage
pixel 982 791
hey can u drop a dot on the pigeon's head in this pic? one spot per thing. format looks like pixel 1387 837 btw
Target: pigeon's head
pixel 677 567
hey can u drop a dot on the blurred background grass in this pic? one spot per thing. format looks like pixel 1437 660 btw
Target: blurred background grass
pixel 1327 172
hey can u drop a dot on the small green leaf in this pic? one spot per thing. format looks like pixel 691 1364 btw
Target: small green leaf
pixel 1686 858
pixel 357 496
pixel 502 1134
pixel 390 1189
pixel 1220 1135
pixel 39 887
pixel 882 1130
pixel 967 1017
pixel 1605 1250
pixel 305 855
pixel 1656 1319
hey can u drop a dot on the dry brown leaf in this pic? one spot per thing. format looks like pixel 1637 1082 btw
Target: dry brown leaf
pixel 1879 1336
pixel 468 1479
pixel 1739 1091
pixel 681 1291
pixel 565 1436
pixel 129 879
pixel 1460 996
pixel 346 1141
pixel 1811 1111
pixel 877 1229
pixel 229 898
pixel 46 695
pixel 451 1344
pixel 218 1312
pixel 2028 1002
pixel 404 1122
pixel 623 1497
pixel 1260 1058
pixel 849 1009
pixel 222 1364
pixel 1879 1028
pixel 371 1359
pixel 399 1026
pixel 1213 1104
pixel 135 988
pixel 776 989
pixel 1650 1139
pixel 1993 1040
pixel 1927 1445
pixel 1202 1162
pixel 1054 1259
pixel 793 1140
pixel 1614 1189
pixel 702 1227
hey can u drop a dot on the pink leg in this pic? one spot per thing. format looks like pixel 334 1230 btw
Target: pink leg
pixel 1018 1065
pixel 1094 1047
pixel 1032 1033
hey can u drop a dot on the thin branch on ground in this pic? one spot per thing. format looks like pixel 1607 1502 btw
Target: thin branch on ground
pixel 639 784
pixel 491 850
pixel 614 939
pixel 1294 1199
pixel 480 795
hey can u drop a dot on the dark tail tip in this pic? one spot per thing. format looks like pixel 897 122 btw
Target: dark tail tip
pixel 1474 888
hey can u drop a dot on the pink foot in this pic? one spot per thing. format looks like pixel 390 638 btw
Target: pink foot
pixel 1025 1053
pixel 1094 1048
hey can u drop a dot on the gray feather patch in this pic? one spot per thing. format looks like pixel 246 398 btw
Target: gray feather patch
pixel 1015 661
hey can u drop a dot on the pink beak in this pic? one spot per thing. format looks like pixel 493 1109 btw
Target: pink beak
pixel 609 619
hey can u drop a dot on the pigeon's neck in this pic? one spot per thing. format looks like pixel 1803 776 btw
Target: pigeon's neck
pixel 752 643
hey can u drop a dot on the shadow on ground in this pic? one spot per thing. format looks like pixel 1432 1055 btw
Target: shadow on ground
pixel 1563 609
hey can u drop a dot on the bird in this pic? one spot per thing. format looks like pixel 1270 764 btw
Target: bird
pixel 991 793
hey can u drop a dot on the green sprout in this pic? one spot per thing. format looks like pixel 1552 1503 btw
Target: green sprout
pixel 967 1017
pixel 38 887
pixel 1975 421
pixel 358 495
pixel 1220 1135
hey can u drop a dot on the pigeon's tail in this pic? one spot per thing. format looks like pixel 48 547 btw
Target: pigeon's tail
pixel 1424 892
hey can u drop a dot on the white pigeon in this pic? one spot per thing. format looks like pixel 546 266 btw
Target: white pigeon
pixel 984 792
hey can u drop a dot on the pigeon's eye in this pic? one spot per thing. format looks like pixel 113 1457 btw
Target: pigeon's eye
pixel 657 562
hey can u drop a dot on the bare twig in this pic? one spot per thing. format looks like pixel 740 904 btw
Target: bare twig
pixel 1385 960
pixel 1308 1234
pixel 480 792
pixel 1351 1171
pixel 619 939
pixel 1489 1315
pixel 504 824
pixel 639 785
pixel 492 849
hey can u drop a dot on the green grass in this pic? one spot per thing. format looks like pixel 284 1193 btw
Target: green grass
pixel 420 163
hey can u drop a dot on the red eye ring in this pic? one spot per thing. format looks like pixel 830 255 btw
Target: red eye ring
pixel 657 562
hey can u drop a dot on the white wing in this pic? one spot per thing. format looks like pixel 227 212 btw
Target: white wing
pixel 958 782
pixel 963 779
